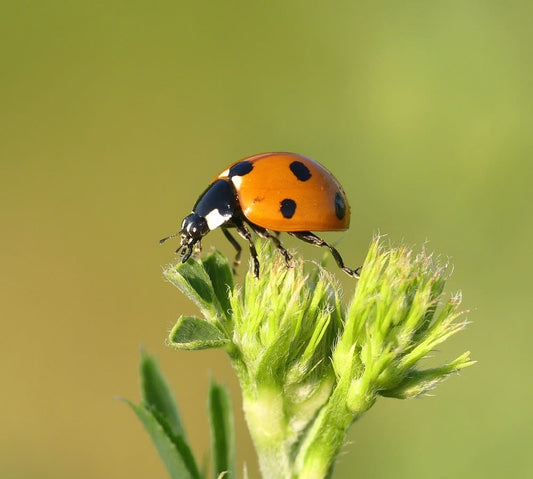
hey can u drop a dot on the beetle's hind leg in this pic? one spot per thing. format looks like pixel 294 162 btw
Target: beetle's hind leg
pixel 274 238
pixel 313 239
pixel 238 249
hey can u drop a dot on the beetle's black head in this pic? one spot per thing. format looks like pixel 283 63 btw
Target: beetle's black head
pixel 215 207
pixel 193 229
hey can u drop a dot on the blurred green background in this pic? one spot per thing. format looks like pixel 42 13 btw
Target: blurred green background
pixel 115 115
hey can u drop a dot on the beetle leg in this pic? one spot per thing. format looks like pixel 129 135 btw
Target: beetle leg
pixel 188 250
pixel 197 248
pixel 274 238
pixel 186 253
pixel 245 233
pixel 237 247
pixel 313 239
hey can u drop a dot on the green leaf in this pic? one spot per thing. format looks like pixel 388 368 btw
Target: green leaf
pixel 419 382
pixel 157 395
pixel 192 280
pixel 222 431
pixel 217 267
pixel 192 333
pixel 168 447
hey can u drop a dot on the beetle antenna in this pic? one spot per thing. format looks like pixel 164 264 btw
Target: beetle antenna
pixel 162 240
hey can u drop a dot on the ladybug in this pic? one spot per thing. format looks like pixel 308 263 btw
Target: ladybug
pixel 265 193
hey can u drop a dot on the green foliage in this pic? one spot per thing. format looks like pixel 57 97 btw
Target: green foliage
pixel 308 365
pixel 157 395
pixel 222 431
pixel 195 333
pixel 160 417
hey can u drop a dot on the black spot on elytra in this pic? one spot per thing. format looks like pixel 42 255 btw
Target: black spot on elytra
pixel 300 170
pixel 287 208
pixel 340 206
pixel 240 169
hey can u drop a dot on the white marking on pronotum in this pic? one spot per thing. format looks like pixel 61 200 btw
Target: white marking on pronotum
pixel 224 174
pixel 215 219
pixel 237 181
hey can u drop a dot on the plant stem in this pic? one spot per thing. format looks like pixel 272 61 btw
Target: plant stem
pixel 270 432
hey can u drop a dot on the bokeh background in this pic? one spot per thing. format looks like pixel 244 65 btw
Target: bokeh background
pixel 115 115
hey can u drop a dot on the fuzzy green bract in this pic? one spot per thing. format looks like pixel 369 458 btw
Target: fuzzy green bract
pixel 309 365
